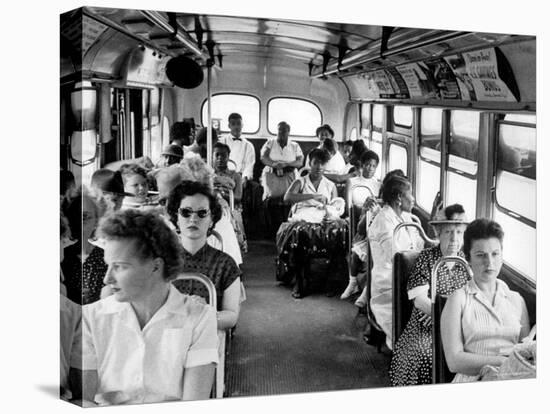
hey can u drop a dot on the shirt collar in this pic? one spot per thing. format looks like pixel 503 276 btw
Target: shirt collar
pixel 172 305
pixel 502 289
pixel 200 251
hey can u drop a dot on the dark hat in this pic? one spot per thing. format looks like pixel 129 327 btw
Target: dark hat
pixel 173 150
pixel 108 181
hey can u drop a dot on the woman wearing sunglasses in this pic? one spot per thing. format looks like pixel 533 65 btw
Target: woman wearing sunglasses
pixel 194 210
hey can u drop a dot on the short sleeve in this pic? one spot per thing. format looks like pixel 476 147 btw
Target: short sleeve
pixel 89 356
pixel 230 272
pixel 204 342
pixel 267 146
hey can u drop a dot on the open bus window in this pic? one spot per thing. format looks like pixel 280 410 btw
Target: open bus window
pixel 224 104
pixel 365 120
pixel 304 117
pixel 353 134
pixel 464 139
pixel 397 158
pixel 402 116
pixel 516 174
pixel 429 165
pixel 376 146
pixel 378 116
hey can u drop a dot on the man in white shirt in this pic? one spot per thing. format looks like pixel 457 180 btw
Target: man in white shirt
pixel 242 150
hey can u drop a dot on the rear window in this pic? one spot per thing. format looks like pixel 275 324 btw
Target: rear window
pixel 304 117
pixel 224 104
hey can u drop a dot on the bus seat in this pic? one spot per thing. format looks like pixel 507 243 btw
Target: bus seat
pixel 440 370
pixel 200 285
pixel 402 306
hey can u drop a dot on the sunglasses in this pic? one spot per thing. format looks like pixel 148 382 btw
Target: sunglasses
pixel 187 212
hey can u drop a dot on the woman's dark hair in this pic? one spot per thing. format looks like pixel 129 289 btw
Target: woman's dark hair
pixel 222 146
pixel 357 149
pixel 190 188
pixel 369 155
pixel 319 154
pixel 325 127
pixel 481 229
pixel 393 188
pixel 453 209
pixel 151 236
pixel 181 131
pixel 329 145
pixel 202 135
pixel 389 175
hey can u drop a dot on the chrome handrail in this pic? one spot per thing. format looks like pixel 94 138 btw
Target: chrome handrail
pixel 433 293
pixel 199 277
pixel 400 226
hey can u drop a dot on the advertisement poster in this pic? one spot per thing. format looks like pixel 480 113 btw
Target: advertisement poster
pixel 418 79
pixel 481 69
pixel 465 82
pixel 399 85
pixel 444 79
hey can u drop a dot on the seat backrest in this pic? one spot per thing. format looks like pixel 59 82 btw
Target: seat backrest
pixel 440 370
pixel 196 284
pixel 402 306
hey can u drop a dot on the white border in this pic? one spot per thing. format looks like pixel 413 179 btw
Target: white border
pixel 30 125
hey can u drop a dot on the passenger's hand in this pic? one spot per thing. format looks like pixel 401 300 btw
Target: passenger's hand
pixel 199 298
pixel 370 203
pixel 321 198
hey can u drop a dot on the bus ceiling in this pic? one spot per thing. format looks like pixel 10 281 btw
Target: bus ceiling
pixel 132 48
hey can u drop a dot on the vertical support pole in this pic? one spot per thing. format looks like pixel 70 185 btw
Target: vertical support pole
pixel 209 118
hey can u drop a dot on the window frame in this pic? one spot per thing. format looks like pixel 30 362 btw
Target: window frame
pixel 223 131
pixel 312 137
pixel 448 152
pixel 399 128
pixel 500 208
pixel 399 143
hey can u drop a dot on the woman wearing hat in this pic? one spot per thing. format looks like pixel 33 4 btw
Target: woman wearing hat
pixel 172 154
pixel 411 363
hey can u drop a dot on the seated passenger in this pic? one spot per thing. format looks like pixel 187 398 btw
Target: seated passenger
pixel 83 266
pixel 483 320
pixel 108 188
pixel 146 329
pixel 199 147
pixel 336 166
pixel 399 201
pixel 411 363
pixel 369 163
pixel 314 200
pixel 226 181
pixel 357 149
pixel 345 149
pixel 136 184
pixel 281 158
pixel 194 210
pixel 172 154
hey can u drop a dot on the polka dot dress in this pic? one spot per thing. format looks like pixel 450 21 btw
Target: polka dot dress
pixel 411 363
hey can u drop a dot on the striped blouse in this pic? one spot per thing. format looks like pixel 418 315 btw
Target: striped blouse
pixel 490 329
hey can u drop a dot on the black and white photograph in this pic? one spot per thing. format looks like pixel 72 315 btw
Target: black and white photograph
pixel 319 208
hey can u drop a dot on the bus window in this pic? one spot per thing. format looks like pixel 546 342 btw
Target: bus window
pixel 429 165
pixel 156 137
pixel 462 162
pixel 516 174
pixel 165 131
pixel 224 104
pixel 397 158
pixel 378 116
pixel 365 121
pixel 376 146
pixel 353 134
pixel 304 117
pixel 402 116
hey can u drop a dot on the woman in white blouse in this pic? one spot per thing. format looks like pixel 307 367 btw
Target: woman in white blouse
pixel 399 201
pixel 482 321
pixel 281 158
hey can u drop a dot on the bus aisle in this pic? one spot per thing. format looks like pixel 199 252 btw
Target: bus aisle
pixel 283 345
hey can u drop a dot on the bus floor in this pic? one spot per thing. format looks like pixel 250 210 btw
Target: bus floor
pixel 283 345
